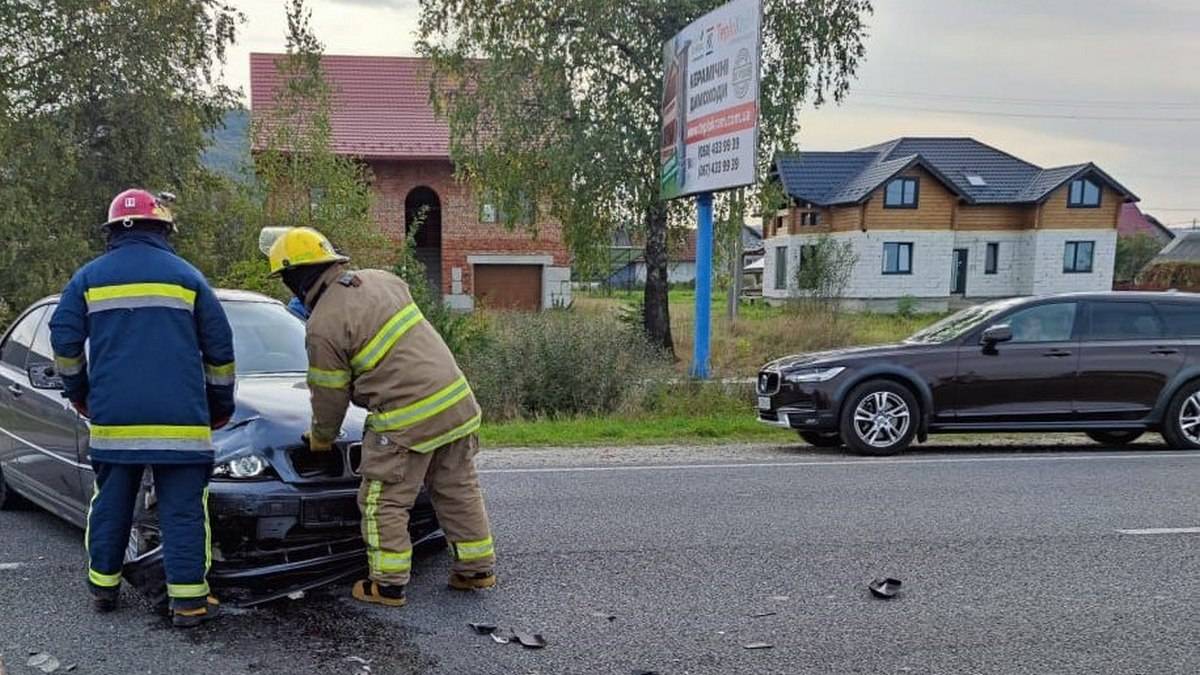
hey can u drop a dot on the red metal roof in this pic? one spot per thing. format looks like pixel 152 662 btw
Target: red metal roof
pixel 381 106
pixel 1132 221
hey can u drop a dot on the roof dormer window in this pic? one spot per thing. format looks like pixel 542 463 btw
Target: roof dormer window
pixel 1083 194
pixel 901 193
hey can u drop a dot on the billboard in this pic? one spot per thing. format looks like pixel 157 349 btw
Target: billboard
pixel 710 102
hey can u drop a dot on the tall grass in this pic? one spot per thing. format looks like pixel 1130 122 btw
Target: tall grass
pixel 559 363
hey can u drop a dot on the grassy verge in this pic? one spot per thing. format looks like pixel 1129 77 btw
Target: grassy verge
pixel 763 332
pixel 732 426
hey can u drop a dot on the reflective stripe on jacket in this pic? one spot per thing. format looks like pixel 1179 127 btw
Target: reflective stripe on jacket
pixel 368 342
pixel 160 366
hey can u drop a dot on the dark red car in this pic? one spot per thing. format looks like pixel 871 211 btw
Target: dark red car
pixel 1111 365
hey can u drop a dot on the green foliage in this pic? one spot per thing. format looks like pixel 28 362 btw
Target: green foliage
pixel 463 333
pixel 906 307
pixel 305 183
pixel 557 102
pixel 1179 275
pixel 825 268
pixel 559 364
pixel 96 97
pixel 1132 255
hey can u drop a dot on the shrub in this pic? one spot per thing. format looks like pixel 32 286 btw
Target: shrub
pixel 559 364
pixel 906 307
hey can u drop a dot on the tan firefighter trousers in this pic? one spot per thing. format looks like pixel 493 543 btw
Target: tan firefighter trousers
pixel 392 478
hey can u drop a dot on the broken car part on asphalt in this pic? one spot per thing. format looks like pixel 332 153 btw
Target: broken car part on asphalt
pixel 504 636
pixel 884 588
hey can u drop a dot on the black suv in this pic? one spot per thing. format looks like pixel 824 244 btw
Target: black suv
pixel 1112 365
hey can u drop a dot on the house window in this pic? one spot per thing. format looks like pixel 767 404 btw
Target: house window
pixel 488 213
pixel 1077 257
pixel 781 256
pixel 990 260
pixel 810 218
pixel 901 193
pixel 897 258
pixel 1083 194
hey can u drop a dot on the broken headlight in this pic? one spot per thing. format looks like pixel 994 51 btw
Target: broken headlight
pixel 246 466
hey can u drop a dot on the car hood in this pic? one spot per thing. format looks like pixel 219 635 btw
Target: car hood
pixel 841 356
pixel 272 412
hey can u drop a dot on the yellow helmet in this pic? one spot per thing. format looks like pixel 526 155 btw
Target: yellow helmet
pixel 297 246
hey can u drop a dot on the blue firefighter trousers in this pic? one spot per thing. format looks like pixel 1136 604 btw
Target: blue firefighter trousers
pixel 182 491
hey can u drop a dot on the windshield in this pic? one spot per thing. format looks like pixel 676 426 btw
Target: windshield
pixel 960 323
pixel 267 338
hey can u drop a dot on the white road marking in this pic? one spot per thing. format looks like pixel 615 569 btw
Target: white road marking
pixel 853 462
pixel 10 566
pixel 1163 530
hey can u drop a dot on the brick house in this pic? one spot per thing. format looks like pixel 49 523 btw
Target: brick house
pixel 381 115
pixel 1133 222
pixel 943 220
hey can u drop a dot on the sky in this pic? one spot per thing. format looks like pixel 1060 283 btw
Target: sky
pixel 1115 82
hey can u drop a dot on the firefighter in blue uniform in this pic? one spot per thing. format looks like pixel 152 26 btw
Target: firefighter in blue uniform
pixel 146 354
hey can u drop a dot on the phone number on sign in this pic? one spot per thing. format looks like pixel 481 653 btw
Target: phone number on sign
pixel 719 166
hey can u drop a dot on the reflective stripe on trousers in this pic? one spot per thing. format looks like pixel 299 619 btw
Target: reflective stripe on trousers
pixel 473 550
pixel 379 560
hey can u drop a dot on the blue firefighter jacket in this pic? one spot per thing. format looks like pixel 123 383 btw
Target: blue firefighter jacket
pixel 158 367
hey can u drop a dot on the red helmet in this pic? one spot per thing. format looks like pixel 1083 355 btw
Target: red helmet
pixel 132 205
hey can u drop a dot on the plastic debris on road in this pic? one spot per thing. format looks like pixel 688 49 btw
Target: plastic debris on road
pixel 43 662
pixel 531 640
pixel 758 645
pixel 759 615
pixel 504 636
pixel 885 588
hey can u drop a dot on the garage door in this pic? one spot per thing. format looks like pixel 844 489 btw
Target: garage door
pixel 508 287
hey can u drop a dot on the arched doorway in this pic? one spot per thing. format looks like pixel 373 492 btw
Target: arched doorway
pixel 423 211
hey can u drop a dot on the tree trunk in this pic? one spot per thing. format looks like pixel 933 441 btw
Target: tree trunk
pixel 656 315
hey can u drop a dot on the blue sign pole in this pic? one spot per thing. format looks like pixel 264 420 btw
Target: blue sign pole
pixel 704 257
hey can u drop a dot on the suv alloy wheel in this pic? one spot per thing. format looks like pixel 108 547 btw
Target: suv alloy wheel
pixel 879 417
pixel 1181 427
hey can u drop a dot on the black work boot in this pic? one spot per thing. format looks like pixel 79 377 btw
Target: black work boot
pixel 472 581
pixel 388 595
pixel 192 612
pixel 105 598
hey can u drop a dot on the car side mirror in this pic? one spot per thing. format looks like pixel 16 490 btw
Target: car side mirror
pixel 44 376
pixel 997 334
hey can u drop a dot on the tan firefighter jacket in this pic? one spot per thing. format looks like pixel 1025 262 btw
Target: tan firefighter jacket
pixel 368 343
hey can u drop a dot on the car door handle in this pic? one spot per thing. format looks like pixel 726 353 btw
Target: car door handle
pixel 1057 353
pixel 15 389
pixel 1164 351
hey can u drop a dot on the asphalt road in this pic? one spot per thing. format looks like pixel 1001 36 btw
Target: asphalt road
pixel 1013 561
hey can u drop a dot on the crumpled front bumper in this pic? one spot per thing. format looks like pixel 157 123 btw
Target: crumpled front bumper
pixel 272 539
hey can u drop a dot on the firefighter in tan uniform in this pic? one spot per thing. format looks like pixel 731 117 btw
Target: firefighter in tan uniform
pixel 369 344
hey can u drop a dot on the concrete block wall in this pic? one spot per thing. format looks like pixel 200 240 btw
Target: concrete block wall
pixel 1014 269
pixel 1048 275
pixel 1029 262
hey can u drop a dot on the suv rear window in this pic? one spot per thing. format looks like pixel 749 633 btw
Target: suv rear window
pixel 1123 321
pixel 1183 320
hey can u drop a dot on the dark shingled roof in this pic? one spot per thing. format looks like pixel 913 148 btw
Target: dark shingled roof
pixel 830 178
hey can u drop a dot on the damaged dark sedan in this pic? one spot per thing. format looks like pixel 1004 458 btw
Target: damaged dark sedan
pixel 283 519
